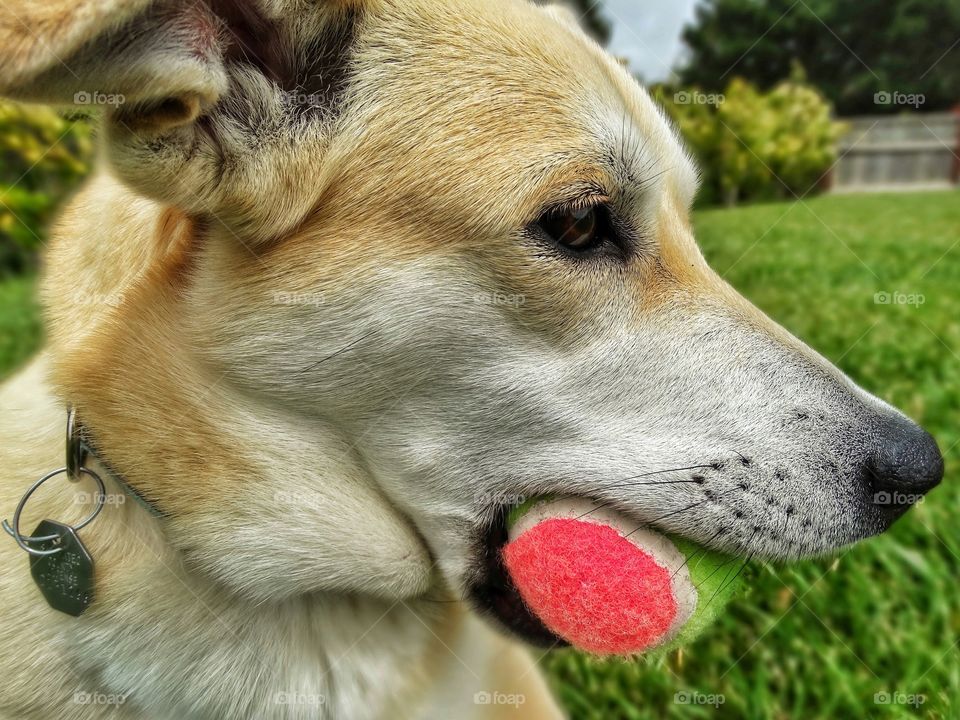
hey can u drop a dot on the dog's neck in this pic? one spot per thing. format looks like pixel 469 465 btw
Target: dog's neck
pixel 287 494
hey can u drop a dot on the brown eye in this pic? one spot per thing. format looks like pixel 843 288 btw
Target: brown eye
pixel 574 229
pixel 584 231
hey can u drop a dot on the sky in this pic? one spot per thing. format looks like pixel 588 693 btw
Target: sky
pixel 647 33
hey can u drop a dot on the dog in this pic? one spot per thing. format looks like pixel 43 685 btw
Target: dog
pixel 350 273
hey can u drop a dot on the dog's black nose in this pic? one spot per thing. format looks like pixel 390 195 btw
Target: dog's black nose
pixel 906 463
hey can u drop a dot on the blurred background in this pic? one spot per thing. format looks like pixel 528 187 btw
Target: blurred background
pixel 828 134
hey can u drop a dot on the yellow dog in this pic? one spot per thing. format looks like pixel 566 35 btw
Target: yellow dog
pixel 365 269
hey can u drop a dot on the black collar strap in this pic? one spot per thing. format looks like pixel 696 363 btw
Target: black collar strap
pixel 80 446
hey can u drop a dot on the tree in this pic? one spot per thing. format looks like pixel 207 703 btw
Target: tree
pixel 592 18
pixel 870 56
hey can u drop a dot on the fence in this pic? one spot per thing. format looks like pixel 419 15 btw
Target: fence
pixel 906 152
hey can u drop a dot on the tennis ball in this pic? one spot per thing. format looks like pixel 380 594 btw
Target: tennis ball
pixel 608 587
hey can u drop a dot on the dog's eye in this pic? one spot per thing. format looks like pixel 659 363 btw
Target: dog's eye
pixel 580 230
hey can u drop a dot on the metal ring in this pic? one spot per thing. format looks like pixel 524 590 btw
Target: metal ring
pixel 22 541
pixel 76 450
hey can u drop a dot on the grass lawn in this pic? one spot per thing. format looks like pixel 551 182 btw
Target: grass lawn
pixel 818 639
pixel 19 322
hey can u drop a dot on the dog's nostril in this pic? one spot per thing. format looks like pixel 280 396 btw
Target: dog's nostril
pixel 906 463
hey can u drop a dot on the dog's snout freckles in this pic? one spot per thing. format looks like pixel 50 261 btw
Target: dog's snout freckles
pixel 802 460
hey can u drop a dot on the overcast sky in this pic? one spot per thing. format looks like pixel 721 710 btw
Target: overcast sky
pixel 647 33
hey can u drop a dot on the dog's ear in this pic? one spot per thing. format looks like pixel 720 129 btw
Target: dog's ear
pixel 565 14
pixel 214 106
pixel 164 63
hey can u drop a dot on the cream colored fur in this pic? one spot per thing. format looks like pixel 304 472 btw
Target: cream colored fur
pixel 320 342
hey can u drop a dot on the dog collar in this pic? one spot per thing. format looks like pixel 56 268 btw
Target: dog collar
pixel 60 564
pixel 81 446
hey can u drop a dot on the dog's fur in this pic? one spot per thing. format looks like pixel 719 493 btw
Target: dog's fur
pixel 316 336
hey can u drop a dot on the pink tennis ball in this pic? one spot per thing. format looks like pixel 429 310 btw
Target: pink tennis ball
pixel 604 585
pixel 591 586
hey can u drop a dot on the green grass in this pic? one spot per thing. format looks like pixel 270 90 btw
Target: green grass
pixel 817 639
pixel 19 322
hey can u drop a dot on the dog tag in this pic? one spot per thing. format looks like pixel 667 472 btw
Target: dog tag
pixel 66 578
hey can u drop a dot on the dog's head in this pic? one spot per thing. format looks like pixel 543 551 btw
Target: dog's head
pixel 446 248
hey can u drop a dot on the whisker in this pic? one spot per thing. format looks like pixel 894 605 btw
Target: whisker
pixel 725 584
pixel 677 512
pixel 624 482
pixel 621 484
pixel 721 586
pixel 338 352
pixel 598 507
pixel 669 514
pixel 659 482
pixel 660 472
pixel 701 551
pixel 717 569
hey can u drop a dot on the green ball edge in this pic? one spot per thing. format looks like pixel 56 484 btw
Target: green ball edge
pixel 717 577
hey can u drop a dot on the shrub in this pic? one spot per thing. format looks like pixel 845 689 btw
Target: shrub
pixel 755 145
pixel 44 156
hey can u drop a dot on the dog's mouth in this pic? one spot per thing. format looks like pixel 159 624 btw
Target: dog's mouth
pixel 494 594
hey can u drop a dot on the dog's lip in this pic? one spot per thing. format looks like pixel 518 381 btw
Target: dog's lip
pixel 632 515
pixel 494 594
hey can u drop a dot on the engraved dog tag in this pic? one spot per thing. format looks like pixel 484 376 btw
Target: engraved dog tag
pixel 66 578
